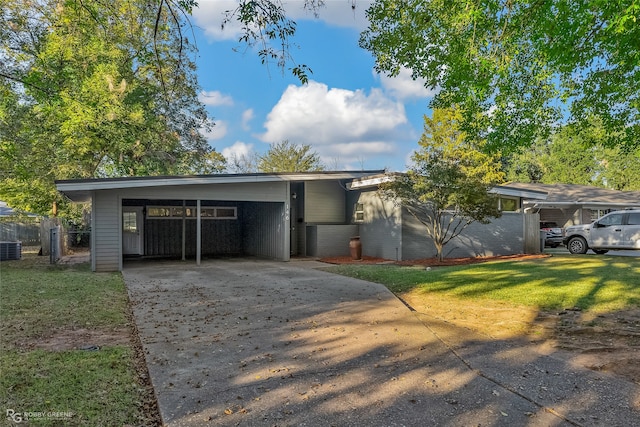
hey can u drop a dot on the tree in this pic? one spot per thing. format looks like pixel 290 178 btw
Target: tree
pixel 243 163
pixel 576 156
pixel 96 89
pixel 265 22
pixel 563 158
pixel 517 69
pixel 288 157
pixel 447 187
pixel 619 169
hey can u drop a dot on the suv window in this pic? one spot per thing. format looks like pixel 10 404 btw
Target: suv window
pixel 634 218
pixel 612 219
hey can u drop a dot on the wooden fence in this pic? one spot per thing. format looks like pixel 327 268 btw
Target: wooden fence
pixel 532 240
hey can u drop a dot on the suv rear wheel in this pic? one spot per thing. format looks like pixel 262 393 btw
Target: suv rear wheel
pixel 577 245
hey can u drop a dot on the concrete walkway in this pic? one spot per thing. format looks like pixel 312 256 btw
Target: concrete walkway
pixel 259 343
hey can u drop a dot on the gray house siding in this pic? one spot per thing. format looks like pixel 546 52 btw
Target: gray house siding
pixel 266 230
pixel 329 240
pixel 324 202
pixel 254 192
pixel 106 242
pixel 381 229
pixel 502 236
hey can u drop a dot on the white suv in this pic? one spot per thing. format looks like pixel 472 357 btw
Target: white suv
pixel 615 231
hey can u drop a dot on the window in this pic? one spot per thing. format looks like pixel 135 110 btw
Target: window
pixel 226 213
pixel 129 222
pixel 508 205
pixel 358 214
pixel 634 218
pixel 215 212
pixel 598 213
pixel 613 219
pixel 158 212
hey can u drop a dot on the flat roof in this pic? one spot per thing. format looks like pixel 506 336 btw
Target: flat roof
pixel 79 190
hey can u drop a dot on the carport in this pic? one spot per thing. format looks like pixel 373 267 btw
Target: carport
pixel 189 217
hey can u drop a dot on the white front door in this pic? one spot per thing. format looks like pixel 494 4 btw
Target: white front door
pixel 132 230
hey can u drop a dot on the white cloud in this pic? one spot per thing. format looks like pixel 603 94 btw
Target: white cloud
pixel 336 122
pixel 403 86
pixel 247 116
pixel 239 149
pixel 214 98
pixel 210 14
pixel 218 131
pixel 338 13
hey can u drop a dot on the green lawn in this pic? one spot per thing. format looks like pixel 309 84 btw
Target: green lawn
pixel 595 283
pixel 89 388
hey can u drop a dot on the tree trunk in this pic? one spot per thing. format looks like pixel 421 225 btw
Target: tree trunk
pixel 439 248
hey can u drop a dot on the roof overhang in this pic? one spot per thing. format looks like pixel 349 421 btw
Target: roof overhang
pixel 370 181
pixel 505 190
pixel 539 204
pixel 80 190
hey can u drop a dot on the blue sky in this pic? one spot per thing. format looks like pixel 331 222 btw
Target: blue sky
pixel 352 117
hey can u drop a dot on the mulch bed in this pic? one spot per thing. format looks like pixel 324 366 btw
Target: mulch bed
pixel 432 262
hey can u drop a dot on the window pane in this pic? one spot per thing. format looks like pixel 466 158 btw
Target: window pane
pixel 509 205
pixel 615 219
pixel 156 212
pixel 207 212
pixel 129 222
pixel 225 213
pixel 634 218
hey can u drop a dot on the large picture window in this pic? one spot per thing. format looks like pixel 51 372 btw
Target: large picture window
pixel 208 212
pixel 508 204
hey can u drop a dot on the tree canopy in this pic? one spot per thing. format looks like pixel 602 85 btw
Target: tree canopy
pixel 96 89
pixel 576 158
pixel 518 68
pixel 287 157
pixel 448 186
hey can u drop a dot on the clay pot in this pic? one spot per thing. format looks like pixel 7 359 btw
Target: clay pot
pixel 355 248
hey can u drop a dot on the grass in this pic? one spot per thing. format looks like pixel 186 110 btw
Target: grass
pixel 595 283
pixel 96 387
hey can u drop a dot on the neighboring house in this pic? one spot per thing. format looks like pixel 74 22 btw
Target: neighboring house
pixel 569 204
pixel 273 216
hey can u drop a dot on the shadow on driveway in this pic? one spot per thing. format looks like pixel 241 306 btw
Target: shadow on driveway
pixel 258 343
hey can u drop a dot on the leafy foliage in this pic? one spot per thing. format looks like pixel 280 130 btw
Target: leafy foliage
pixel 576 156
pixel 96 89
pixel 288 157
pixel 265 22
pixel 518 68
pixel 447 188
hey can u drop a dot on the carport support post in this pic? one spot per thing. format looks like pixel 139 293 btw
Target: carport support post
pixel 198 233
pixel 184 231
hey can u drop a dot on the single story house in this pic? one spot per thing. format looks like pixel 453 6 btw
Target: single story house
pixel 276 216
pixel 570 204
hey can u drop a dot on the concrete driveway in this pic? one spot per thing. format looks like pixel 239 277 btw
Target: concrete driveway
pixel 259 343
